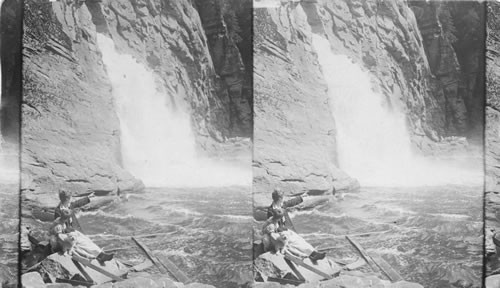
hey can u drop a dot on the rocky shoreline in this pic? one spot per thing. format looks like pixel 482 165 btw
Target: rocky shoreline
pixel 147 278
pixel 34 280
pixel 347 279
pixel 492 139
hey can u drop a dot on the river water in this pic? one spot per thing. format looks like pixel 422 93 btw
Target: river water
pixel 432 220
pixel 431 235
pixel 9 214
pixel 9 204
pixel 207 230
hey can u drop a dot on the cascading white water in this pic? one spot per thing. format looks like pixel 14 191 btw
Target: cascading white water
pixel 373 142
pixel 158 145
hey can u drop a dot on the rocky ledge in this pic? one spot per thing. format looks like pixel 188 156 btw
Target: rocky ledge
pixel 34 280
pixel 492 144
pixel 271 265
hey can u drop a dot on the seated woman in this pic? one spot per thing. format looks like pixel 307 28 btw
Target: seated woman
pixel 74 242
pixel 288 240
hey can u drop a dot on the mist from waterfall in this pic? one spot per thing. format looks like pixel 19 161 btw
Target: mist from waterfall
pixel 157 139
pixel 9 154
pixel 373 142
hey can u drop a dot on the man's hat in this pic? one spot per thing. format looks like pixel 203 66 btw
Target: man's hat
pixel 64 194
pixel 277 194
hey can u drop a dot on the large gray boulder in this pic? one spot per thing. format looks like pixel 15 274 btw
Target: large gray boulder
pixel 32 280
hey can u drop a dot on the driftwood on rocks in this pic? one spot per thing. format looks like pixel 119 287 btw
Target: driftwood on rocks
pixel 58 266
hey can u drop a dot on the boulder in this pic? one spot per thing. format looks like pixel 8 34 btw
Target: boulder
pixel 166 282
pixel 492 140
pixel 62 266
pixel 198 285
pixel 104 285
pixel 492 281
pixel 136 282
pixel 32 280
pixel 273 265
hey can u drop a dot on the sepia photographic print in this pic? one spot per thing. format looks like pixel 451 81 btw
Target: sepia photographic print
pixel 136 143
pixel 492 155
pixel 249 143
pixel 368 136
pixel 10 52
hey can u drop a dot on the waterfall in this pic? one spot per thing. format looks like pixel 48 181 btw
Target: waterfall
pixel 373 142
pixel 158 143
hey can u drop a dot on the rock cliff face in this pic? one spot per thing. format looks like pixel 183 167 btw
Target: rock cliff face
pixel 492 132
pixel 71 134
pixel 453 37
pixel 294 139
pixel 221 21
pixel 426 79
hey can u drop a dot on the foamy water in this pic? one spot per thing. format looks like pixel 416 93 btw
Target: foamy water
pixel 158 143
pixel 429 235
pixel 9 165
pixel 373 141
pixel 205 231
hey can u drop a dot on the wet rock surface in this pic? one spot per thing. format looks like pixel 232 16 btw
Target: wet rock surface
pixel 492 139
pixel 453 40
pixel 409 54
pixel 32 280
pixel 58 266
pixel 71 132
pixel 295 131
pixel 272 265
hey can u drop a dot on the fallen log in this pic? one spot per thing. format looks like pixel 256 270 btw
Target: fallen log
pixel 172 268
pixel 84 273
pixel 124 237
pixel 347 235
pixel 386 268
pixel 295 270
pixel 364 254
pixel 150 255
pixel 96 268
pixel 299 262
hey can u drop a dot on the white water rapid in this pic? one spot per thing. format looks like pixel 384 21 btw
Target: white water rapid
pixel 158 144
pixel 373 142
